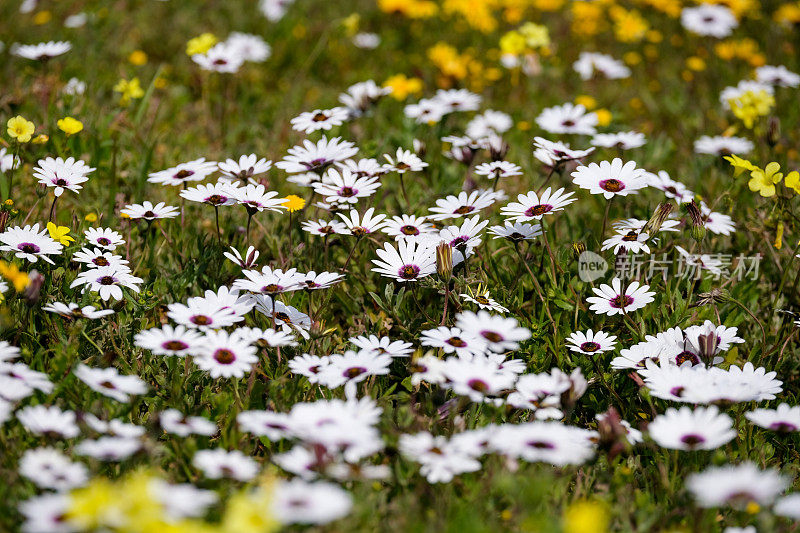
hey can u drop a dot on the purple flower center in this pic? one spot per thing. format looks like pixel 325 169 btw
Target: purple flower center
pixel 538 210
pixel 611 185
pixel 408 272
pixel 590 346
pixel 224 356
pixel 621 301
pixel 28 248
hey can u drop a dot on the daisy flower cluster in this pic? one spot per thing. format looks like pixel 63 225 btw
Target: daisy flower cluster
pixel 394 266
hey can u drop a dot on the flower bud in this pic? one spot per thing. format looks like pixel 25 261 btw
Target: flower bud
pixel 698 231
pixel 444 260
pixel 577 249
pixel 659 216
pixel 773 131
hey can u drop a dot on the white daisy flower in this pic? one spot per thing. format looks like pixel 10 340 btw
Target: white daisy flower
pixel 41 51
pixel 410 261
pixel 704 428
pixel 735 485
pixel 709 19
pixel 403 161
pixel 104 238
pixel 62 174
pixel 148 211
pixel 612 299
pixel 109 382
pixel 624 140
pixel 225 355
pixel 107 281
pixel 591 342
pixel 462 205
pixel 196 170
pixel 567 118
pixel 610 179
pixel 29 243
pixel 320 119
pixel 246 167
pixel 531 206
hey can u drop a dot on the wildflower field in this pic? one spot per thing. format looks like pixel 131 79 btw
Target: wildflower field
pixel 400 265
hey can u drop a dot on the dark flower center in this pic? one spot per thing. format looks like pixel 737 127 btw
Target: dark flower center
pixel 538 210
pixel 354 372
pixel 175 345
pixel 224 356
pixel 456 342
pixel 478 385
pixel 283 317
pixel 183 174
pixel 409 272
pixel 541 445
pixel 103 241
pixel 612 185
pixel 492 336
pixel 201 320
pixel 347 192
pixel 409 230
pixel 320 117
pixel 783 427
pixel 692 441
pixel 631 236
pixel 101 261
pixel 271 288
pixel 687 356
pixel 459 241
pixel 590 346
pixel 568 123
pixel 28 248
pixel 106 280
pixel 620 302
pixel 464 209
pixel 149 214
pixel 216 199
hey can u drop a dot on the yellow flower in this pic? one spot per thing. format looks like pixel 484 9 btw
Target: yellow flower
pixel 200 44
pixel 402 86
pixel 350 24
pixel 586 101
pixel 763 181
pixel 69 125
pixel 59 233
pixel 586 517
pixel 293 203
pixel 696 63
pixel 512 43
pixel 751 105
pixel 739 165
pixel 536 35
pixel 779 236
pixel 91 217
pixel 138 58
pixel 20 129
pixel 90 507
pixel 629 26
pixel 40 139
pixel 793 181
pixel 11 272
pixel 42 17
pixel 604 117
pixel 128 90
